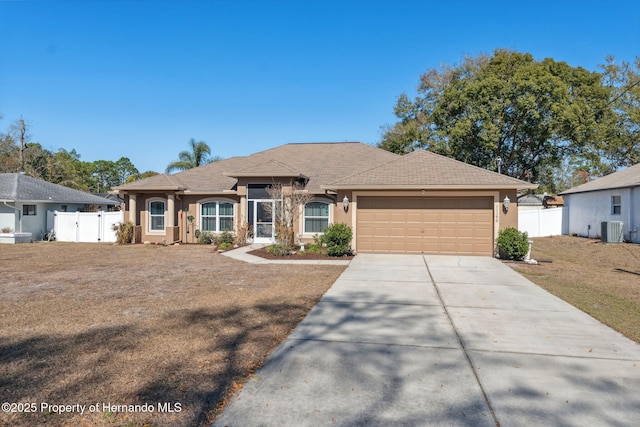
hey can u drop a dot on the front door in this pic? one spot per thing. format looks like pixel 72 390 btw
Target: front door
pixel 260 221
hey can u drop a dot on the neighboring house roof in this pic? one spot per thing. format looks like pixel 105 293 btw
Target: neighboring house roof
pixel 553 201
pixel 108 196
pixel 629 177
pixel 22 188
pixel 530 200
pixel 321 163
pixel 427 170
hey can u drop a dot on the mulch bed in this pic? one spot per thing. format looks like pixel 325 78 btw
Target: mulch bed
pixel 264 253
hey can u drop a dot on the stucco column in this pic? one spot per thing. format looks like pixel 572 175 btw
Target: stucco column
pixel 133 214
pixel 242 214
pixel 171 215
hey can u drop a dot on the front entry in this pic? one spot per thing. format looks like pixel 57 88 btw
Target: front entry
pixel 260 220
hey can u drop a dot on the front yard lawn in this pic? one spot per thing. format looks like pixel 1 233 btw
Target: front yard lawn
pixel 601 279
pixel 175 328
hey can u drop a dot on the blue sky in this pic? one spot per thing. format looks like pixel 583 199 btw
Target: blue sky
pixel 139 78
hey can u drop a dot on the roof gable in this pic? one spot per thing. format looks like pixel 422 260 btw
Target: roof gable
pixel 425 169
pixel 629 177
pixel 20 187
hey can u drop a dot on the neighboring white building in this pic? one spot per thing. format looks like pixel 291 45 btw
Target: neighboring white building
pixel 24 202
pixel 614 197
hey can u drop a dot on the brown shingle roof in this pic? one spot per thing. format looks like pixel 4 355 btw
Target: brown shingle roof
pixel 270 168
pixel 320 162
pixel 424 169
pixel 629 177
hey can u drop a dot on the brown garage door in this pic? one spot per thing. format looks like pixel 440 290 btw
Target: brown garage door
pixel 433 225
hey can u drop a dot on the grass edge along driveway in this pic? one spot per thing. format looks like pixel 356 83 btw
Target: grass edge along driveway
pixel 600 279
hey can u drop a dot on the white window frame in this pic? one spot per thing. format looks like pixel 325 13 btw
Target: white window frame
pixel 218 202
pixel 615 205
pixel 150 215
pixel 304 216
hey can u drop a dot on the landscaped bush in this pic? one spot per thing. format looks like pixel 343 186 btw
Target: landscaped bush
pixel 224 240
pixel 316 246
pixel 278 250
pixel 206 238
pixel 313 248
pixel 226 237
pixel 337 238
pixel 512 244
pixel 124 232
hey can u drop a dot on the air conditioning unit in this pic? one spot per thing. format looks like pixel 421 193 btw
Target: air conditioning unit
pixel 611 232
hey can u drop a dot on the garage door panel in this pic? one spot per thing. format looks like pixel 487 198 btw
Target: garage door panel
pixel 413 229
pixel 415 217
pixel 430 217
pixel 465 233
pixel 466 216
pixel 425 225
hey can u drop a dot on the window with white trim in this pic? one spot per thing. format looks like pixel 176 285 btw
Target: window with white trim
pixel 216 216
pixel 316 217
pixel 156 215
pixel 616 205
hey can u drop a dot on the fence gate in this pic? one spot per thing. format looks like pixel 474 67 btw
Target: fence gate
pixel 84 226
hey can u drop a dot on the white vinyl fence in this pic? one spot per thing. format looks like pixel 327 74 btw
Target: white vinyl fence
pixel 84 226
pixel 541 223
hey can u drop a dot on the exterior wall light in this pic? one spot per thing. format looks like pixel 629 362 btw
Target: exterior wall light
pixel 506 203
pixel 345 203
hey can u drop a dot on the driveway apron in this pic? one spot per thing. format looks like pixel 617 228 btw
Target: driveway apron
pixel 442 340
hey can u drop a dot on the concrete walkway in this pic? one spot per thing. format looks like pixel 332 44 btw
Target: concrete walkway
pixel 443 340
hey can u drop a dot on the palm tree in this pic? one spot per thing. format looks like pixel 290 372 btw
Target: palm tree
pixel 198 156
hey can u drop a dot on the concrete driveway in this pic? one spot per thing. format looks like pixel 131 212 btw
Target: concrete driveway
pixel 443 340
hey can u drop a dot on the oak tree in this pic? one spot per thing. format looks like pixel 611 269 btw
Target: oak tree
pixel 507 108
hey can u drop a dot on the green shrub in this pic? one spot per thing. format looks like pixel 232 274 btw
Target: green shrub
pixel 124 232
pixel 224 246
pixel 319 240
pixel 206 238
pixel 313 248
pixel 278 250
pixel 337 238
pixel 512 244
pixel 225 237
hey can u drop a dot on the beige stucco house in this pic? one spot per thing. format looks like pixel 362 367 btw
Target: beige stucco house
pixel 416 203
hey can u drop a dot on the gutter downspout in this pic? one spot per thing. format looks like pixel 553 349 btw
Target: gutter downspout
pixel 19 214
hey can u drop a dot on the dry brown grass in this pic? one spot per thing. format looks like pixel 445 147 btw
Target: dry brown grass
pixel 586 273
pixel 95 323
